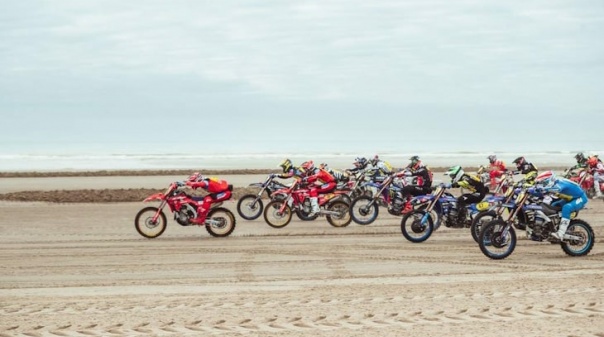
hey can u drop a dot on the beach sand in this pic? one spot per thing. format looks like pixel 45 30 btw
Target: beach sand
pixel 81 269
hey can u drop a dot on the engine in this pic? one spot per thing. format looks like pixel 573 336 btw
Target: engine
pixel 185 214
pixel 541 228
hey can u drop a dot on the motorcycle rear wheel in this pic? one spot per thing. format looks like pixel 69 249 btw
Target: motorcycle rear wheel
pixel 144 224
pixel 277 219
pixel 580 228
pixel 479 220
pixel 343 219
pixel 250 207
pixel 226 222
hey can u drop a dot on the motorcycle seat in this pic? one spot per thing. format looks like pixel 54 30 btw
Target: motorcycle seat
pixel 549 209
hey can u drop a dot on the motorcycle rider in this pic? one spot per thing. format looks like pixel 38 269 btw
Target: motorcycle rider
pixel 320 181
pixel 496 169
pixel 360 163
pixel 421 185
pixel 470 182
pixel 528 169
pixel 572 197
pixel 214 186
pixel 380 169
pixel 340 176
pixel 289 171
pixel 597 170
pixel 581 161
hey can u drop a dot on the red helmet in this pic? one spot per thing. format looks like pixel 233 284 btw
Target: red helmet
pixel 592 161
pixel 195 177
pixel 308 166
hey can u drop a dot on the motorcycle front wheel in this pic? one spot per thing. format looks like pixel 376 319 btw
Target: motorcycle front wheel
pixel 276 218
pixel 479 220
pixel 144 224
pixel 413 229
pixel 250 206
pixel 342 219
pixel 362 211
pixel 494 243
pixel 221 222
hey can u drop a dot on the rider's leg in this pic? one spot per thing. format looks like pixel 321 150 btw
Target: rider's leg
pixel 567 209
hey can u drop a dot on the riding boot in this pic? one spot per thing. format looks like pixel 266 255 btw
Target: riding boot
pixel 562 229
pixel 201 215
pixel 597 189
pixel 314 203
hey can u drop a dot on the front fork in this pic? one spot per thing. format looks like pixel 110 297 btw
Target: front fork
pixel 159 210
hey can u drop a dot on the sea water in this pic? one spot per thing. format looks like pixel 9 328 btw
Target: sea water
pixel 133 160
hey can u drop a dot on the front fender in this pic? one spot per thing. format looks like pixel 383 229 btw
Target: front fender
pixel 154 197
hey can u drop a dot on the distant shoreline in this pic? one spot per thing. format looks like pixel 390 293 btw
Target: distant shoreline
pixel 214 172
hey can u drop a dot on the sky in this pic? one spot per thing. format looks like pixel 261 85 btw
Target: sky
pixel 277 75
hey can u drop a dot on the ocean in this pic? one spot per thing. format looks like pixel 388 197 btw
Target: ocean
pixel 74 161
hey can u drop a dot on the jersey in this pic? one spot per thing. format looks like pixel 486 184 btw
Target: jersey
pixel 566 189
pixel 321 176
pixel 472 183
pixel 424 176
pixel 212 185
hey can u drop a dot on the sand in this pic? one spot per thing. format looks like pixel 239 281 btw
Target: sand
pixel 83 270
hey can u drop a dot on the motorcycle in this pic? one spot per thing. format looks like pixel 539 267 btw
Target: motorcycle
pixel 584 179
pixel 497 238
pixel 364 209
pixel 420 221
pixel 250 206
pixel 278 213
pixel 151 222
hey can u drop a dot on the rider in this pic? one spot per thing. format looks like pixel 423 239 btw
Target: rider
pixel 528 169
pixel 380 168
pixel 337 174
pixel 572 197
pixel 360 163
pixel 470 182
pixel 421 185
pixel 320 182
pixel 581 161
pixel 289 170
pixel 214 186
pixel 597 170
pixel 496 168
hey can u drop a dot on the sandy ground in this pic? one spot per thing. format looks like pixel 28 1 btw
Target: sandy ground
pixel 83 270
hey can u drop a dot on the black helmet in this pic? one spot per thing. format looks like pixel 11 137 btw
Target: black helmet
pixel 519 160
pixel 580 157
pixel 360 162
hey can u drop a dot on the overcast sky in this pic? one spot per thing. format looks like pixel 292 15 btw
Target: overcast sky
pixel 271 75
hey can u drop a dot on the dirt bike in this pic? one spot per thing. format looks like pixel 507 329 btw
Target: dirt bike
pixel 364 209
pixel 493 209
pixel 497 238
pixel 420 221
pixel 151 222
pixel 278 213
pixel 250 206
pixel 584 178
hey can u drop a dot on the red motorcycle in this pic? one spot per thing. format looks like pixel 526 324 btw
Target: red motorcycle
pixel 585 179
pixel 150 222
pixel 278 212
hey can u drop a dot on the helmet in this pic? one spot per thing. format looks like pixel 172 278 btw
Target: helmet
pixel 324 166
pixel 415 162
pixel 580 157
pixel 546 179
pixel 308 166
pixel 492 158
pixel 360 162
pixel 195 177
pixel 592 161
pixel 519 161
pixel 375 160
pixel 286 165
pixel 455 173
